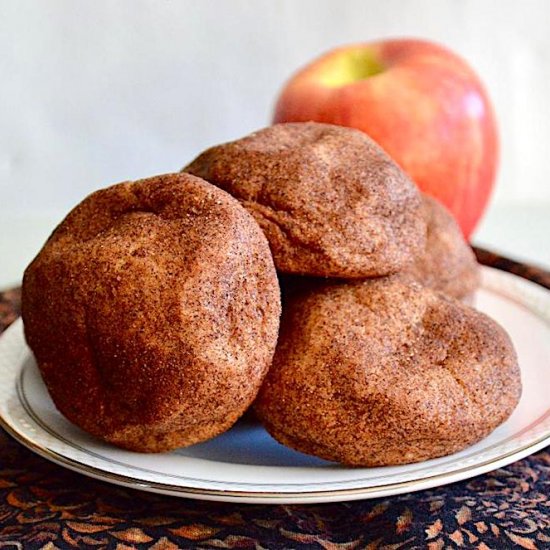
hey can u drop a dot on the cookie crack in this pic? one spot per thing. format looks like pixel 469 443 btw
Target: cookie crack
pixel 269 214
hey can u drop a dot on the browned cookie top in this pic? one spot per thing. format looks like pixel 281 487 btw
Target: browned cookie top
pixel 153 312
pixel 329 200
pixel 385 371
pixel 447 263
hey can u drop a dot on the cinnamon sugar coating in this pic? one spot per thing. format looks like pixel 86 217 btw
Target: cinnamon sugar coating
pixel 331 202
pixel 384 371
pixel 447 263
pixel 153 312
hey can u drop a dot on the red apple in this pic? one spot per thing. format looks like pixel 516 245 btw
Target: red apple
pixel 422 103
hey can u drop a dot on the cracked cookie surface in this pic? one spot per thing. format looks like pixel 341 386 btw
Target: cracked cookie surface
pixel 385 371
pixel 331 202
pixel 153 312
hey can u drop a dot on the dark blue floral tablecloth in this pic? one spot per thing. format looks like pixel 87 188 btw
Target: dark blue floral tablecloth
pixel 45 506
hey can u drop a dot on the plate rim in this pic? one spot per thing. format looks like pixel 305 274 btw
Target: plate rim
pixel 259 496
pixel 324 495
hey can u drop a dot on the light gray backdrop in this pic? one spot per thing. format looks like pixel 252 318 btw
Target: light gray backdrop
pixel 95 92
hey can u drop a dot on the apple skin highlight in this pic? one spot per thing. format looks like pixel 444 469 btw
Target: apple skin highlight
pixel 421 102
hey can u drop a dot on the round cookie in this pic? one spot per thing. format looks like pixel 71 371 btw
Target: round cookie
pixel 331 202
pixel 447 263
pixel 384 372
pixel 153 312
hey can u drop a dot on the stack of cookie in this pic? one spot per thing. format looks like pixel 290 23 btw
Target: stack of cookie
pixel 372 367
pixel 153 310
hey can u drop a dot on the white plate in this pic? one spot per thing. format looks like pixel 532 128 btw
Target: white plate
pixel 246 465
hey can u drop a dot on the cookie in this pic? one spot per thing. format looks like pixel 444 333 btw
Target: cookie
pixel 384 372
pixel 153 312
pixel 447 263
pixel 331 202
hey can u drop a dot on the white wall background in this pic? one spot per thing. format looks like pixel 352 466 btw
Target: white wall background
pixel 95 92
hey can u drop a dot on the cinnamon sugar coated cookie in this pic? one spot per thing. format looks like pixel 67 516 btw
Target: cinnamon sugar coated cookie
pixel 447 263
pixel 331 202
pixel 384 372
pixel 153 312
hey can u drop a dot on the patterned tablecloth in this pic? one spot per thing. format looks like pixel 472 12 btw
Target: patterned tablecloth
pixel 45 506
